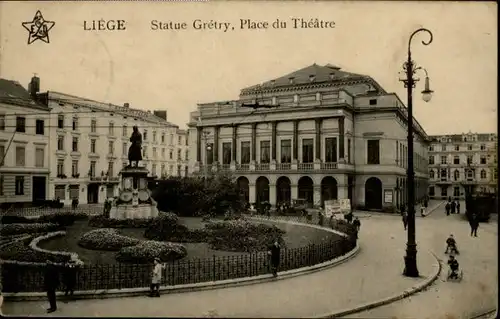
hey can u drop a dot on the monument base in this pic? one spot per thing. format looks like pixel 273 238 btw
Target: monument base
pixel 141 211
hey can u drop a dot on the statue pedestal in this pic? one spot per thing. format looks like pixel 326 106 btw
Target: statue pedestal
pixel 134 200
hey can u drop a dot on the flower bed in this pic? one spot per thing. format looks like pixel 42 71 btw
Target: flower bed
pixel 243 236
pixel 108 239
pixel 21 251
pixel 166 227
pixel 34 246
pixel 67 218
pixel 101 221
pixel 147 251
pixel 18 229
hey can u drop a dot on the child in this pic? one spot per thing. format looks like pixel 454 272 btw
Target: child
pixel 156 278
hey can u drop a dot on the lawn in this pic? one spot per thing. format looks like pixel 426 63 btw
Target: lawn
pixel 296 236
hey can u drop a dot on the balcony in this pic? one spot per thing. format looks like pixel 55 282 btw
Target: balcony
pixel 95 178
pixel 305 166
pixel 328 165
pixel 283 166
pixel 262 167
pixel 243 167
pixel 271 167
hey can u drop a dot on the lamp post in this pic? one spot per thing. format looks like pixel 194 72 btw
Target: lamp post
pixel 410 69
pixel 208 149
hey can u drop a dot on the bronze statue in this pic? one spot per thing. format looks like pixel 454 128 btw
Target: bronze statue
pixel 135 150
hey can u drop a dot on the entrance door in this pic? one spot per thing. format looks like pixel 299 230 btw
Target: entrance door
pixel 39 188
pixel 93 194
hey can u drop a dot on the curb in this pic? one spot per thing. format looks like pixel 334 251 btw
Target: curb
pixel 382 302
pixel 435 208
pixel 129 292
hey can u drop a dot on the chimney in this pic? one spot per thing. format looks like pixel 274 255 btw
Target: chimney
pixel 311 78
pixel 34 86
pixel 161 114
pixel 291 80
pixel 127 105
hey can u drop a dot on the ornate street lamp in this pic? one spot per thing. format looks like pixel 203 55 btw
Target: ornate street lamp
pixel 410 69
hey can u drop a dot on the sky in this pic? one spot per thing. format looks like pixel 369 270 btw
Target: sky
pixel 174 70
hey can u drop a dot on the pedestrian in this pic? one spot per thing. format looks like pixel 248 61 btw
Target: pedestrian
pixel 69 277
pixel 422 211
pixel 458 206
pixel 447 208
pixel 357 224
pixel 453 206
pixel 405 219
pixel 474 224
pixel 156 278
pixel 51 282
pixel 275 255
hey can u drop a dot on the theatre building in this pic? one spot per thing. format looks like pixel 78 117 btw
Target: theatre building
pixel 318 133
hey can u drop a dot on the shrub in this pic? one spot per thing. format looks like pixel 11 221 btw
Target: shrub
pixel 33 228
pixel 107 239
pixel 67 218
pixel 17 220
pixel 147 251
pixel 104 222
pixel 22 252
pixel 166 228
pixel 243 236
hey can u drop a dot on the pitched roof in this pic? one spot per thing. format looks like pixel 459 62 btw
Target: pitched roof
pixel 12 92
pixel 313 74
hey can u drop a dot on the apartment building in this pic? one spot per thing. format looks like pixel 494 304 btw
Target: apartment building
pixel 319 133
pixel 24 145
pixel 462 162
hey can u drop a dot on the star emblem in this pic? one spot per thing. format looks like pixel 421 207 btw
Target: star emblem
pixel 38 28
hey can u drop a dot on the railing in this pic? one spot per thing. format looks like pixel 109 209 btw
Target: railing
pixel 329 165
pixel 305 166
pixel 283 166
pixel 262 167
pixel 91 209
pixel 225 167
pixel 269 167
pixel 18 278
pixel 243 167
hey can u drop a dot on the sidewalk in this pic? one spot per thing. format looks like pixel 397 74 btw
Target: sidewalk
pixel 374 274
pixel 432 207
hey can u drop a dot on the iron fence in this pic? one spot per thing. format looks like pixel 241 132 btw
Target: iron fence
pixel 94 209
pixel 17 278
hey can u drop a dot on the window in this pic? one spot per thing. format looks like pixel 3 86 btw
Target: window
pixel 186 171
pixel 178 170
pixel 226 153
pixel 171 170
pixel 470 174
pixel 265 150
pixel 162 168
pixel 20 156
pixel 431 174
pixel 373 101
pixel 483 147
pixel 60 143
pixel 60 121
pixel 111 128
pixel 163 137
pixel 39 157
pixel 431 160
pixel 2 154
pixel 495 173
pixel 469 147
pixel 179 155
pixel 74 168
pixel 93 125
pixel 92 168
pixel 19 185
pixel 75 123
pixel 331 150
pixel 456 160
pixel 348 150
pixel 483 160
pixel 111 167
pixel 307 150
pixel 444 191
pixel 20 124
pixel 432 191
pixel 40 127
pixel 124 149
pixel 60 167
pixel 373 151
pixel 2 122
pixel 171 139
pixel 444 160
pixel 483 174
pixel 286 151
pixel 457 147
pixel 431 148
pixel 144 152
pixel 187 155
pixel 153 170
pixel 469 160
pixel 60 191
pixel 74 145
pixel 111 147
pixel 163 153
pixel 145 135
pixel 154 152
pixel 245 152
pixel 180 140
pixel 154 136
pixel 92 146
pixel 443 174
pixel 456 191
pixel 124 130
pixel 171 154
pixel 187 139
pixel 456 175
pixel 1 185
pixel 443 147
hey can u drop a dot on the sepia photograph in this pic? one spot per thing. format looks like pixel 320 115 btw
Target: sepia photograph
pixel 249 159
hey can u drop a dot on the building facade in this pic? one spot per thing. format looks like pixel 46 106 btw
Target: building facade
pixel 24 145
pixel 323 133
pixel 90 141
pixel 462 162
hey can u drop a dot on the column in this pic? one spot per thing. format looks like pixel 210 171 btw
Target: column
pixel 295 139
pixel 318 139
pixel 234 147
pixel 272 194
pixel 294 191
pixel 317 195
pixel 198 144
pixel 273 140
pixel 251 193
pixel 216 144
pixel 341 139
pixel 254 140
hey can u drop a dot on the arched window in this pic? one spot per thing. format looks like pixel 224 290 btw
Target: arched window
pixel 483 174
pixel 456 174
pixel 431 174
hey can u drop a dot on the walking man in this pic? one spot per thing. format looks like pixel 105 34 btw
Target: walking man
pixel 453 206
pixel 356 223
pixel 447 208
pixel 51 282
pixel 458 206
pixel 69 277
pixel 275 254
pixel 405 219
pixel 474 224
